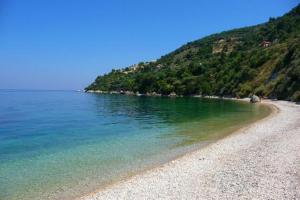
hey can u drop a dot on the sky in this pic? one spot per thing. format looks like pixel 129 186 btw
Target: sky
pixel 65 44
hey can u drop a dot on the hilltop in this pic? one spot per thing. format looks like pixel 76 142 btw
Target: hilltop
pixel 263 59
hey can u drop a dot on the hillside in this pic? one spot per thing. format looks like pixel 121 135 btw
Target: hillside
pixel 262 59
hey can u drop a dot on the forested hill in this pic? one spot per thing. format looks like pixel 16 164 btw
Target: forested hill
pixel 262 59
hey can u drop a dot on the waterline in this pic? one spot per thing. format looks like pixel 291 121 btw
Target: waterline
pixel 60 145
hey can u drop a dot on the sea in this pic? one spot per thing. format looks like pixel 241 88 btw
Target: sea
pixel 67 144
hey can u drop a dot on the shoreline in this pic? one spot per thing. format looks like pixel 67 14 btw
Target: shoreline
pixel 196 147
pixel 154 94
pixel 115 188
pixel 174 95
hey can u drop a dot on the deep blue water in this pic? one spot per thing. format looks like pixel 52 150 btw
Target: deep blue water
pixel 62 144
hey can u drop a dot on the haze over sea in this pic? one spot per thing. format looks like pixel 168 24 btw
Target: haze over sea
pixel 64 144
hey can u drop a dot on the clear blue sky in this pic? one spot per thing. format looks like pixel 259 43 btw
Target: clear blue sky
pixel 65 44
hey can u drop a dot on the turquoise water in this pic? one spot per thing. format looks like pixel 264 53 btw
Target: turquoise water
pixel 63 144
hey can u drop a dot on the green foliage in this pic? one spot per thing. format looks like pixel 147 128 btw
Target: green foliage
pixel 296 96
pixel 231 63
pixel 244 90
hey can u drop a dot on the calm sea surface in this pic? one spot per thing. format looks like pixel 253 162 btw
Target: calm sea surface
pixel 63 144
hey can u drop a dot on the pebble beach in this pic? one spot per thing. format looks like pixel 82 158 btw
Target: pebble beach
pixel 260 161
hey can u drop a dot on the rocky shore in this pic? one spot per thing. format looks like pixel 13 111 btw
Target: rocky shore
pixel 154 94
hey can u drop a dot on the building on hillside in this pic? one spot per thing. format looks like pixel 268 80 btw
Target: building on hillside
pixel 265 43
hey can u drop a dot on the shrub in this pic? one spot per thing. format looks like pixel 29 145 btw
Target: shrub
pixel 296 96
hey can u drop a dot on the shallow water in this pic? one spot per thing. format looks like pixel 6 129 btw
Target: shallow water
pixel 63 144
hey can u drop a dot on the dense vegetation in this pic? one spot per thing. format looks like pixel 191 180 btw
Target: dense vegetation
pixel 262 59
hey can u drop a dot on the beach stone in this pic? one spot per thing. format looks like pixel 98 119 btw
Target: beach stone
pixel 172 94
pixel 254 99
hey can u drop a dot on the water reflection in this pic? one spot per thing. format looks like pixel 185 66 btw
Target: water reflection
pixel 194 119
